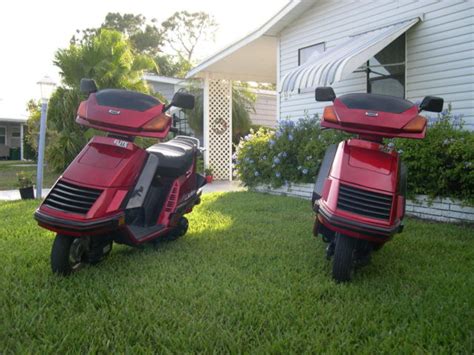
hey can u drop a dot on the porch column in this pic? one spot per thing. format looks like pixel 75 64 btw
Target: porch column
pixel 217 127
pixel 21 142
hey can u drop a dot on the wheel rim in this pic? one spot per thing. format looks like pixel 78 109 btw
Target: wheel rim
pixel 76 253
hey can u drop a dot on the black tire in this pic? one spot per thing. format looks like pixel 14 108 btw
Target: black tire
pixel 180 229
pixel 61 262
pixel 99 253
pixel 343 265
pixel 183 226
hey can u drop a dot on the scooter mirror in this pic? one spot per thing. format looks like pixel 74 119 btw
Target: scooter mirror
pixel 88 86
pixel 325 94
pixel 183 100
pixel 432 104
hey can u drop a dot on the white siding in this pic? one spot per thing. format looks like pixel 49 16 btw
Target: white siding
pixel 165 89
pixel 440 50
pixel 265 110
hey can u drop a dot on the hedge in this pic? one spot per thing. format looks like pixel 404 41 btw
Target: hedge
pixel 441 165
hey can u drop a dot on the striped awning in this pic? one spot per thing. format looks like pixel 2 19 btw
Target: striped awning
pixel 323 69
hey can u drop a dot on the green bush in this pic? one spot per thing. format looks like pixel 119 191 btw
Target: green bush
pixel 441 165
pixel 290 154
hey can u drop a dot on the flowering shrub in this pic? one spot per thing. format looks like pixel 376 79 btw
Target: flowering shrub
pixel 292 153
pixel 441 165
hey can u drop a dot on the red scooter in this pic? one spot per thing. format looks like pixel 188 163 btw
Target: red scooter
pixel 115 191
pixel 360 191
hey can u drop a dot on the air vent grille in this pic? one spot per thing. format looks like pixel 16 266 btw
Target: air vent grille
pixel 363 202
pixel 72 198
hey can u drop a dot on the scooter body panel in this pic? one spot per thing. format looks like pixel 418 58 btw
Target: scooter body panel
pixel 360 194
pixel 123 120
pixel 112 168
pixel 106 162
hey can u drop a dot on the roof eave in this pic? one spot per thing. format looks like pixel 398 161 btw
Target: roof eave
pixel 261 31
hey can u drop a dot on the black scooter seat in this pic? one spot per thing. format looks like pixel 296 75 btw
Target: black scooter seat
pixel 174 157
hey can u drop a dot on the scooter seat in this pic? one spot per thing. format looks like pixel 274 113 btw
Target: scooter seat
pixel 174 157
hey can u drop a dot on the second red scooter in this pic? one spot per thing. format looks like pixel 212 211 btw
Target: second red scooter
pixel 359 194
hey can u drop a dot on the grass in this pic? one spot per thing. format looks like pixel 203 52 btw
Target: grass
pixel 248 277
pixel 9 168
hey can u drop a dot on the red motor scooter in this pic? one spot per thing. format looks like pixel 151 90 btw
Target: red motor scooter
pixel 359 194
pixel 114 191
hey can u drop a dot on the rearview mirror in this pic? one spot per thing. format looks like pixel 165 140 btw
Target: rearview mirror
pixel 88 86
pixel 325 94
pixel 183 100
pixel 432 104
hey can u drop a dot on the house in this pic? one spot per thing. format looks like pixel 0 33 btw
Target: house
pixel 265 100
pixel 11 137
pixel 405 48
pixel 265 108
pixel 164 85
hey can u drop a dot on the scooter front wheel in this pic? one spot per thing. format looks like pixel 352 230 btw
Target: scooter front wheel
pixel 343 264
pixel 180 229
pixel 68 254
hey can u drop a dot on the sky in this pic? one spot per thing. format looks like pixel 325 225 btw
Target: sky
pixel 32 31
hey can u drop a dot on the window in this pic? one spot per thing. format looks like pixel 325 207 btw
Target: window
pixel 304 54
pixel 15 137
pixel 386 70
pixel 307 52
pixel 3 135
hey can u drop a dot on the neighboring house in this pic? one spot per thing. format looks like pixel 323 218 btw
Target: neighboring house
pixel 265 103
pixel 11 137
pixel 405 48
pixel 265 108
pixel 164 85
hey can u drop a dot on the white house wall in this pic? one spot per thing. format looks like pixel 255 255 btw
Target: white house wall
pixel 10 140
pixel 165 89
pixel 440 50
pixel 265 110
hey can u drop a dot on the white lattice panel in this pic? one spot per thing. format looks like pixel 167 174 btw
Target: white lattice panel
pixel 220 128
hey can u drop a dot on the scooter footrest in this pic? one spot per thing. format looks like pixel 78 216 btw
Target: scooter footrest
pixel 140 232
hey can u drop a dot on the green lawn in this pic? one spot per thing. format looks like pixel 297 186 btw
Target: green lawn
pixel 248 277
pixel 9 168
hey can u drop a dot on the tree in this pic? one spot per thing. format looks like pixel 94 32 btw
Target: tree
pixel 145 37
pixel 184 31
pixel 173 66
pixel 108 58
pixel 33 123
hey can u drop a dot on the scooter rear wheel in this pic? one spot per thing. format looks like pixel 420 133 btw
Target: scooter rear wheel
pixel 343 264
pixel 68 254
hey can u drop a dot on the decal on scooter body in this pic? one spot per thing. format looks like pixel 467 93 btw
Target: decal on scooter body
pixel 120 143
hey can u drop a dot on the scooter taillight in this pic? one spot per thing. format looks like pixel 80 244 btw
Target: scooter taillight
pixel 157 124
pixel 416 125
pixel 329 114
